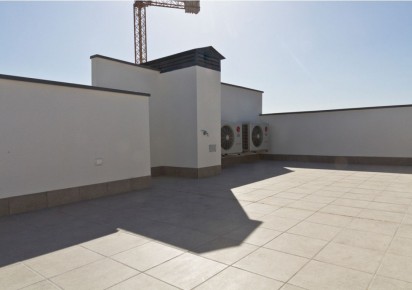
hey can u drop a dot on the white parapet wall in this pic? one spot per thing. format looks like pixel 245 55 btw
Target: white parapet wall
pixel 185 107
pixel 56 136
pixel 361 132
pixel 240 104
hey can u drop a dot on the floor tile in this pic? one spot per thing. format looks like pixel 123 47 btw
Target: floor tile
pixel 362 239
pixel 188 239
pixel 397 267
pixel 147 256
pixel 224 251
pixel 401 208
pixel 316 231
pixel 328 193
pixel 260 208
pixel 58 262
pixel 278 223
pixel 98 275
pixel 329 219
pixel 17 276
pixel 142 281
pixel 296 245
pixel 350 257
pixel 384 283
pixel 258 237
pixel 186 271
pixel 341 210
pixel 291 195
pixel 405 231
pixel 319 199
pixel 43 285
pixel 237 279
pixel 255 195
pixel 242 189
pixel 351 202
pixel 359 196
pixel 292 213
pixel 380 227
pixel 401 246
pixel 407 220
pixel 291 287
pixel 277 201
pixel 381 215
pixel 300 204
pixel 372 192
pixel 114 243
pixel 338 188
pixel 395 200
pixel 272 264
pixel 321 276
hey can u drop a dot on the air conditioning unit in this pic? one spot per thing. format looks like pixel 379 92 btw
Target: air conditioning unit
pixel 255 137
pixel 231 138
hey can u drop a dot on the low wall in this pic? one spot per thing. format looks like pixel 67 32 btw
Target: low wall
pixel 240 104
pixel 69 141
pixel 363 135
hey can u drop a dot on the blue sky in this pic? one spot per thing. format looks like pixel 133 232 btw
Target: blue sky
pixel 304 55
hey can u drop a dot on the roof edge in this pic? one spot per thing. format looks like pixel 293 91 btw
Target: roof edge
pixel 338 110
pixel 240 87
pixel 207 57
pixel 71 85
pixel 122 61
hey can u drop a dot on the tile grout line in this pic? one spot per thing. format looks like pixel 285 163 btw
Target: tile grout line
pixel 41 275
pixel 386 252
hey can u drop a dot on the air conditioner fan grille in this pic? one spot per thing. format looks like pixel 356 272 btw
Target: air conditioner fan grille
pixel 257 136
pixel 227 137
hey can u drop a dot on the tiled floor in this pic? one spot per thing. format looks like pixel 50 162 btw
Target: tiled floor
pixel 265 225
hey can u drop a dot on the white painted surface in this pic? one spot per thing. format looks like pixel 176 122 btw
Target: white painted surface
pixel 117 75
pixel 174 115
pixel 54 137
pixel 385 132
pixel 240 104
pixel 182 103
pixel 208 116
pixel 112 74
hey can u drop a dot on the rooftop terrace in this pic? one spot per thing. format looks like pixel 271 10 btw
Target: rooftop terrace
pixel 263 225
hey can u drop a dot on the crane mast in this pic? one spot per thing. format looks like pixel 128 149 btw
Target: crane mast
pixel 139 11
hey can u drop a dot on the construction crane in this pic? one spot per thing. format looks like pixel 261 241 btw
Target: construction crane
pixel 139 9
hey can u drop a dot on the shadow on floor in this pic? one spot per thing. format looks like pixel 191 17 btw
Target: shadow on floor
pixel 186 213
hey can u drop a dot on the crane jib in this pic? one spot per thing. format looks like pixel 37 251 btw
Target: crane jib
pixel 139 13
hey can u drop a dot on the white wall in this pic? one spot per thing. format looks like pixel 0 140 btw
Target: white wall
pixel 182 103
pixel 51 136
pixel 124 76
pixel 174 115
pixel 378 132
pixel 240 104
pixel 208 116
pixel 113 74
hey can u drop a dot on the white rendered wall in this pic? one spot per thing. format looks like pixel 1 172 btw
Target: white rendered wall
pixel 51 136
pixel 118 75
pixel 240 104
pixel 182 103
pixel 384 132
pixel 174 115
pixel 208 116
pixel 172 106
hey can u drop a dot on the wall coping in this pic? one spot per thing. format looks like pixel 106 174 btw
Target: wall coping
pixel 122 61
pixel 338 110
pixel 70 85
pixel 240 87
